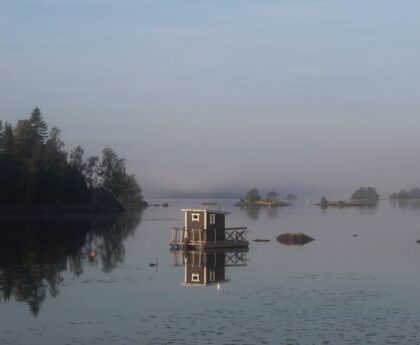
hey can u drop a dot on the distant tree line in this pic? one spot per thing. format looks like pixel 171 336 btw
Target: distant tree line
pixel 253 198
pixel 414 193
pixel 365 194
pixel 36 171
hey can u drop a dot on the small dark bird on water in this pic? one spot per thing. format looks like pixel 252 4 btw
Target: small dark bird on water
pixel 154 264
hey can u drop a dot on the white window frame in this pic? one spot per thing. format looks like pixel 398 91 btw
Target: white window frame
pixel 195 277
pixel 195 217
pixel 212 218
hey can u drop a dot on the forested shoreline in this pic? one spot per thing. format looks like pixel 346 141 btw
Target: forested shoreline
pixel 37 174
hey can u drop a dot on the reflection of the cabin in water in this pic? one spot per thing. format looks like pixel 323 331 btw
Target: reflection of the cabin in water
pixel 203 268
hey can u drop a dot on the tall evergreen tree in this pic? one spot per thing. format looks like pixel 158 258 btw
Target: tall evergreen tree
pixel 8 138
pixel 39 124
pixel 1 136
pixel 25 139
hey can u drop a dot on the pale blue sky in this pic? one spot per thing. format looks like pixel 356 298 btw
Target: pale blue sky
pixel 314 96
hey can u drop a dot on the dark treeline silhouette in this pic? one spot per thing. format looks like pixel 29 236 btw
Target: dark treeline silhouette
pixel 414 193
pixel 35 252
pixel 365 194
pixel 36 172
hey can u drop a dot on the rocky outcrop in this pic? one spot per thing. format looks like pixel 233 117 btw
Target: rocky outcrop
pixel 294 239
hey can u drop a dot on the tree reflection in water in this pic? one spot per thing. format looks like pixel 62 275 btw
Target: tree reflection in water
pixel 35 252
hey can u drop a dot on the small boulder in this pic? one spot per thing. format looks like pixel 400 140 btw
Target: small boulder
pixel 294 239
pixel 418 241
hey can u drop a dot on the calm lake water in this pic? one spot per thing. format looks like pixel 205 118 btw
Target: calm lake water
pixel 89 280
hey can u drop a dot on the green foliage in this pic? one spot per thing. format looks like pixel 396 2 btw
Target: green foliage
pixel 91 172
pixel 35 171
pixel 112 171
pixel 115 180
pixel 131 196
pixel 365 194
pixel 252 195
pixel 1 135
pixel 38 124
pixel 25 139
pixel 8 139
pixel 253 199
pixel 76 158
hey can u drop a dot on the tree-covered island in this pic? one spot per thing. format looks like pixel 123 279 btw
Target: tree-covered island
pixel 37 174
pixel 363 196
pixel 413 194
pixel 253 199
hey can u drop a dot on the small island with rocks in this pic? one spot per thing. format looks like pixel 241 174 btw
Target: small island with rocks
pixel 364 196
pixel 252 199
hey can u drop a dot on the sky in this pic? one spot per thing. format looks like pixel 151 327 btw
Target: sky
pixel 210 98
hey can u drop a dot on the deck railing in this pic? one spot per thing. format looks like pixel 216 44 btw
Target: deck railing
pixel 235 234
pixel 232 235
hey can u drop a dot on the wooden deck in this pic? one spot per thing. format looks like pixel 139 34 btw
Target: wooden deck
pixel 196 239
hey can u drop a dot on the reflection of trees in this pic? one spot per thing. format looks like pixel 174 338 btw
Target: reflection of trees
pixel 406 204
pixel 272 212
pixel 252 212
pixel 34 253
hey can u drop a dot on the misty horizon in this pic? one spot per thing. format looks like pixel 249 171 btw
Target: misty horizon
pixel 202 99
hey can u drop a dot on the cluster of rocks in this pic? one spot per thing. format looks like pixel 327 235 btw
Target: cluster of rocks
pixel 290 238
pixel 294 238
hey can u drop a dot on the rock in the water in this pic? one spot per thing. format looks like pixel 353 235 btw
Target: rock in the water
pixel 261 240
pixel 294 239
pixel 418 241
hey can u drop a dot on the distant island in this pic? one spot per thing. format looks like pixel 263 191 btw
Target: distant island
pixel 413 194
pixel 253 199
pixel 291 196
pixel 364 196
pixel 37 174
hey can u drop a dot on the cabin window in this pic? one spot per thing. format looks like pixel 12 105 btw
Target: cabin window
pixel 196 217
pixel 195 277
pixel 212 218
pixel 212 276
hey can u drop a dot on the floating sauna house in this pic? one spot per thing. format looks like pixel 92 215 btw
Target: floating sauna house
pixel 206 229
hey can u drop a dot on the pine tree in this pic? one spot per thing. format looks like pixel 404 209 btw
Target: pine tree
pixel 1 136
pixel 8 139
pixel 39 124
